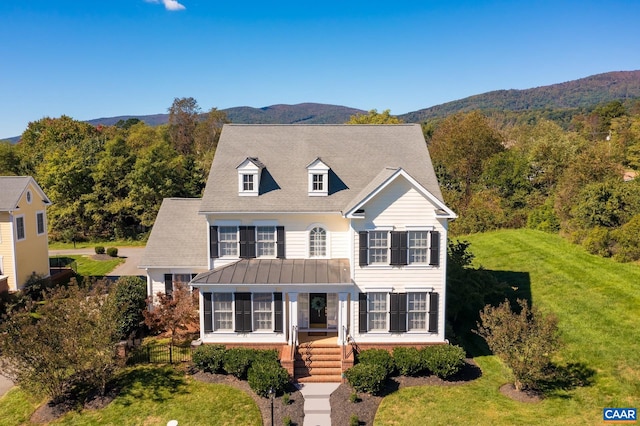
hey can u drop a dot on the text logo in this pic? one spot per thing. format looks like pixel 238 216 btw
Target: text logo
pixel 619 415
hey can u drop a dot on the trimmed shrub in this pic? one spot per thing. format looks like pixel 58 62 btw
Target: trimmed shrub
pixel 366 377
pixel 265 375
pixel 354 420
pixel 377 356
pixel 130 298
pixel 99 249
pixel 112 251
pixel 443 360
pixel 266 355
pixel 286 421
pixel 407 361
pixel 237 361
pixel 209 357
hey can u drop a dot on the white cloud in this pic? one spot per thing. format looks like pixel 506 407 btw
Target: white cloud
pixel 168 4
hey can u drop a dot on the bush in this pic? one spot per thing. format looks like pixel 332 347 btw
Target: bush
pixel 366 377
pixel 130 298
pixel 408 361
pixel 99 249
pixel 598 241
pixel 525 341
pixel 237 361
pixel 354 420
pixel 209 357
pixel 266 375
pixel 286 398
pixel 266 355
pixel 112 251
pixel 443 360
pixel 377 356
pixel 286 421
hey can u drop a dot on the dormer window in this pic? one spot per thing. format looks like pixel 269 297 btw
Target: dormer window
pixel 249 172
pixel 318 178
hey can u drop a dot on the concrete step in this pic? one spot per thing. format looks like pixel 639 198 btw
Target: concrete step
pixel 318 357
pixel 324 350
pixel 320 379
pixel 322 371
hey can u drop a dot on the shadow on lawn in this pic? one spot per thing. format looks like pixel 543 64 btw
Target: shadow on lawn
pixel 156 383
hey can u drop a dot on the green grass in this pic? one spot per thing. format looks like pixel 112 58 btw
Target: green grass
pixel 93 268
pixel 151 396
pixel 597 302
pixel 62 245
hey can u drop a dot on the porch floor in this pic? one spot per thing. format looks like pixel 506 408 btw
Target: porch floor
pixel 330 339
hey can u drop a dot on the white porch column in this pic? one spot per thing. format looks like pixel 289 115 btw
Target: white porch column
pixel 201 313
pixel 293 315
pixel 343 318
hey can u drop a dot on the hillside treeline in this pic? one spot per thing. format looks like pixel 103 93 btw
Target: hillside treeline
pixel 578 182
pixel 107 182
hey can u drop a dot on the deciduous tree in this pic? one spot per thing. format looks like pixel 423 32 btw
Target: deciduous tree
pixel 374 117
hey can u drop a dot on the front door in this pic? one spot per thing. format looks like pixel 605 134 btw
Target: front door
pixel 318 310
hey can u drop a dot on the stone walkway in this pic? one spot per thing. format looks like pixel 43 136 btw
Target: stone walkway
pixel 317 410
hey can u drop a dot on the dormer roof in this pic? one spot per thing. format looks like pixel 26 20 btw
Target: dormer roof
pixel 251 160
pixel 356 154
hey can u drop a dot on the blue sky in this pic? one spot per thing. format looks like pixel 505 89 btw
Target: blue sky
pixel 90 59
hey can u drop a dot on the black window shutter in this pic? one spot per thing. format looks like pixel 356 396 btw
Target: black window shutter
pixel 213 241
pixel 398 248
pixel 433 312
pixel 277 311
pixel 364 247
pixel 362 312
pixel 434 256
pixel 168 284
pixel 243 312
pixel 208 312
pixel 280 242
pixel 247 242
pixel 398 312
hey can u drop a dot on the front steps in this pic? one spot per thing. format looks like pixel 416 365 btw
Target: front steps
pixel 318 362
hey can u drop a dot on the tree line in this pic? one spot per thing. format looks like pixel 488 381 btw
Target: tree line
pixel 577 181
pixel 107 182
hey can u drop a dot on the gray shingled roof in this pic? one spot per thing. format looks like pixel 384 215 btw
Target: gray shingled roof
pixel 356 154
pixel 179 237
pixel 279 271
pixel 11 189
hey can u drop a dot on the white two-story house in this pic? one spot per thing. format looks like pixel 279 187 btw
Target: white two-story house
pixel 332 232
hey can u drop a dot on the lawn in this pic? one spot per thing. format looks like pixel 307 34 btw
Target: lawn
pixel 88 267
pixel 597 302
pixel 151 395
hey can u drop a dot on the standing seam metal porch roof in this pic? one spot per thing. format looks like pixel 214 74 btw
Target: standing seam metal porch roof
pixel 278 271
pixel 356 155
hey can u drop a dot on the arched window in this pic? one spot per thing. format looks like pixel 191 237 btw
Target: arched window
pixel 317 242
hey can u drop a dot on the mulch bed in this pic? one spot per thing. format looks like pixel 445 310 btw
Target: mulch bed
pixel 529 396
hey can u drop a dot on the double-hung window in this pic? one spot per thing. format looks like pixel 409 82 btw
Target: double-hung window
pixel 418 246
pixel 228 240
pixel 262 312
pixel 20 231
pixel 40 223
pixel 247 182
pixel 377 310
pixel 223 311
pixel 266 241
pixel 378 247
pixel 417 311
pixel 318 182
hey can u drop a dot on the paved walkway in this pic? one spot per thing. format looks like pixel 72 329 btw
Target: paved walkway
pixel 5 385
pixel 317 410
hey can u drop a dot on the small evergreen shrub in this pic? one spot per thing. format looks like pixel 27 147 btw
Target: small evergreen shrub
pixel 377 356
pixel 408 361
pixel 443 360
pixel 366 377
pixel 265 375
pixel 286 421
pixel 354 420
pixel 267 355
pixel 209 358
pixel 286 398
pixel 237 361
pixel 99 249
pixel 112 251
pixel 353 398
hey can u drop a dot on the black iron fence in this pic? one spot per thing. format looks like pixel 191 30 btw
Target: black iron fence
pixel 159 354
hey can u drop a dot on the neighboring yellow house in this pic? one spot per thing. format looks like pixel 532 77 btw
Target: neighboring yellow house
pixel 24 246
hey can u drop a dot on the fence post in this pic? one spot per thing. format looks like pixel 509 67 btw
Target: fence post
pixel 170 354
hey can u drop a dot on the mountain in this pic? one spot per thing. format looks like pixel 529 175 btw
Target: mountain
pixel 582 93
pixel 306 113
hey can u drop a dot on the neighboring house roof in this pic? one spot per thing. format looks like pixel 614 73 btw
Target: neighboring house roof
pixel 178 238
pixel 357 155
pixel 12 188
pixel 279 271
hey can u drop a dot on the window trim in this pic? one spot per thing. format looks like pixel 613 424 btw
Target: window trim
pixel 425 311
pixel 44 223
pixel 214 311
pixel 20 218
pixel 254 312
pixel 384 310
pixel 386 260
